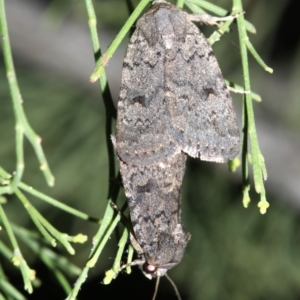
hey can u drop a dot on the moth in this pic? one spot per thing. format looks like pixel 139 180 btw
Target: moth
pixel 153 193
pixel 173 102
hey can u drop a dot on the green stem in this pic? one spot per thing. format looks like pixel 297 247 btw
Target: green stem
pixel 218 33
pixel 10 291
pixel 245 163
pixel 129 258
pixel 20 157
pixel 257 57
pixel 52 260
pixel 57 203
pixel 6 177
pixel 100 239
pixel 5 251
pixel 44 226
pixel 116 42
pixel 210 7
pixel 36 217
pixel 80 280
pixel 180 3
pixel 111 274
pixel 6 224
pixel 219 11
pixel 22 124
pixel 110 110
pixel 17 259
pixel 256 156
pixel 121 245
pixel 104 235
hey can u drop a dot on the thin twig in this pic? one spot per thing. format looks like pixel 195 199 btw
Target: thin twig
pixel 22 125
pixel 116 42
pixel 258 165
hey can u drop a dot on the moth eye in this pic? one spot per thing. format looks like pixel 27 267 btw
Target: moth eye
pixel 149 269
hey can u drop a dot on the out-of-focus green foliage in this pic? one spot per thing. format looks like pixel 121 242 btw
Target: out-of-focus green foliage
pixel 234 253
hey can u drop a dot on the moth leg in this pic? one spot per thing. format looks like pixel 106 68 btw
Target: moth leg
pixel 211 20
pixel 237 91
pixel 135 244
pixel 125 220
pixel 133 239
pixel 116 208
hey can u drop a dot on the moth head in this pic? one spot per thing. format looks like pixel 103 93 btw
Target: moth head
pixel 152 271
pixel 165 253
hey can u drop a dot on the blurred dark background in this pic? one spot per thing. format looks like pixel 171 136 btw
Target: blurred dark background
pixel 235 253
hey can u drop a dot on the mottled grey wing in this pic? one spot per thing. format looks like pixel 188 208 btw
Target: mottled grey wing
pixel 142 134
pixel 153 193
pixel 199 103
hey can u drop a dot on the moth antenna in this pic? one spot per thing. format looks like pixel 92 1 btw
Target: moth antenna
pixel 212 20
pixel 174 286
pixel 156 287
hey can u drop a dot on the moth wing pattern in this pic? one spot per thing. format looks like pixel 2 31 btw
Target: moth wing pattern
pixel 200 104
pixel 143 135
pixel 153 193
pixel 174 94
pixel 173 102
